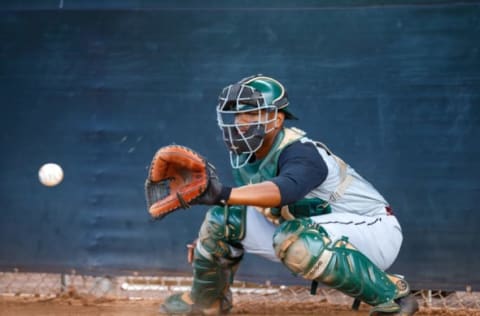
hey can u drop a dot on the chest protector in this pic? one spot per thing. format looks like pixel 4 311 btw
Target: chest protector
pixel 267 169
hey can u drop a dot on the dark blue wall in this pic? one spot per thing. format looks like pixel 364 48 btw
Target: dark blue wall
pixel 394 90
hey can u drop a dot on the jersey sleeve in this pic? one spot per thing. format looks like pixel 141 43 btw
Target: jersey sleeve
pixel 300 169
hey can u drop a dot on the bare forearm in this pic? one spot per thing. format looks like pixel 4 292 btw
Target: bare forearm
pixel 264 194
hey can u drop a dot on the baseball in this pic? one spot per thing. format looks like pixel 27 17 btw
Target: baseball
pixel 50 174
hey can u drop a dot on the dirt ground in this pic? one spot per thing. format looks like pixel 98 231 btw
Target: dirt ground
pixel 133 295
pixel 21 306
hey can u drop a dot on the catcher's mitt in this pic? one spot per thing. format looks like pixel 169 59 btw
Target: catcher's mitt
pixel 179 177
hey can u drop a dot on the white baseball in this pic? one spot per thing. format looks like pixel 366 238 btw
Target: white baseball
pixel 50 174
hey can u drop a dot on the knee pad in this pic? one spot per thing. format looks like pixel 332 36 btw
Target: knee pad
pixel 221 232
pixel 301 245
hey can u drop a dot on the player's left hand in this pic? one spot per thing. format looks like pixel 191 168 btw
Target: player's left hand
pixel 180 177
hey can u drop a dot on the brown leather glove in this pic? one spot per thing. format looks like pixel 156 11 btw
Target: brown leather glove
pixel 179 177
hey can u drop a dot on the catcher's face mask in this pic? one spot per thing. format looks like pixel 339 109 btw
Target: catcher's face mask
pixel 244 118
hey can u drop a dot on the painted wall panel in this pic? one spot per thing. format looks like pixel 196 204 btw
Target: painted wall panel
pixel 393 90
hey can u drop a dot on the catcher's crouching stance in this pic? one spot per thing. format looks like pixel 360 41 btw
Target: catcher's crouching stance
pixel 327 223
pixel 301 244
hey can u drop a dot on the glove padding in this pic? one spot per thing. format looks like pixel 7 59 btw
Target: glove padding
pixel 179 177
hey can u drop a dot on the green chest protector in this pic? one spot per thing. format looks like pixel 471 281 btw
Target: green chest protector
pixel 267 168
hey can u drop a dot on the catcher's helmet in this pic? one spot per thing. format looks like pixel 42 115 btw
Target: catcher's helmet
pixel 255 94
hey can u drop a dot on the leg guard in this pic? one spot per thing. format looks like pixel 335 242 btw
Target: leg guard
pixel 216 259
pixel 305 248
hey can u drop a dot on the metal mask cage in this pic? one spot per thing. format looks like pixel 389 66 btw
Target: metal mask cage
pixel 244 137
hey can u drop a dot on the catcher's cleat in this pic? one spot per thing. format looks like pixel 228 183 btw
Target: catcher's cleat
pixel 404 304
pixel 182 304
pixel 408 306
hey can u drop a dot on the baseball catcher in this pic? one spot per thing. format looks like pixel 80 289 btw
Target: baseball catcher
pixel 295 202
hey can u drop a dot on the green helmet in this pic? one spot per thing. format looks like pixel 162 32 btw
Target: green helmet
pixel 272 91
pixel 251 94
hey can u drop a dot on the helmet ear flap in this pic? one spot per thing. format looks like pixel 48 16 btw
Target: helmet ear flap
pixel 283 101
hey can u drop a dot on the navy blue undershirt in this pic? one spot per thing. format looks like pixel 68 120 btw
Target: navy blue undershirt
pixel 300 169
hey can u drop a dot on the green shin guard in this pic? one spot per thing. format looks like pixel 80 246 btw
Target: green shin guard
pixel 306 249
pixel 210 293
pixel 211 282
pixel 354 274
pixel 216 259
